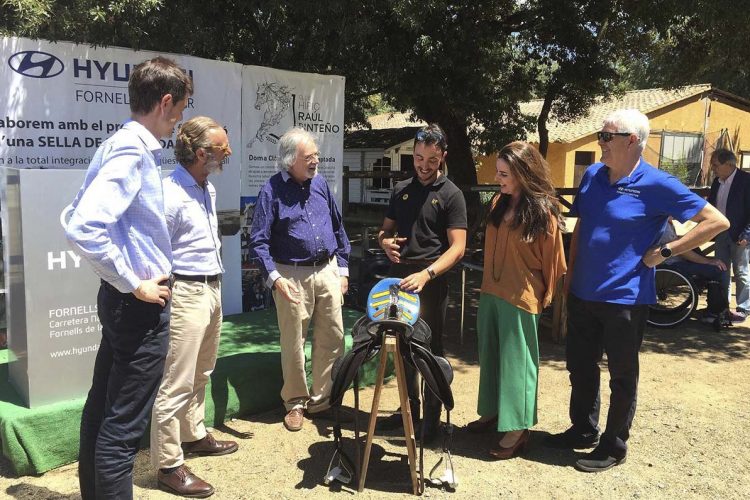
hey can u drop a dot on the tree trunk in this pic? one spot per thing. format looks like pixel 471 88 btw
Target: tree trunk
pixel 541 122
pixel 463 172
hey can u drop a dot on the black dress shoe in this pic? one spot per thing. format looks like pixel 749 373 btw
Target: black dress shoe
pixel 572 440
pixel 208 446
pixel 598 460
pixel 183 482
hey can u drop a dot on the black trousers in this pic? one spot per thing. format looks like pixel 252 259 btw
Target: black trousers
pixel 433 301
pixel 127 373
pixel 595 328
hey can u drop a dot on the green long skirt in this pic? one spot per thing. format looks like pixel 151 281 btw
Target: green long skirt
pixel 508 363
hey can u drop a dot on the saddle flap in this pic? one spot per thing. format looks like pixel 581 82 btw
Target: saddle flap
pixel 344 370
pixel 437 373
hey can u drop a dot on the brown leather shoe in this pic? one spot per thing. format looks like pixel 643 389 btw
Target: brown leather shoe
pixel 505 453
pixel 183 482
pixel 294 419
pixel 208 446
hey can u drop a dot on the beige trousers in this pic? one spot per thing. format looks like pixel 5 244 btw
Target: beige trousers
pixel 320 303
pixel 194 332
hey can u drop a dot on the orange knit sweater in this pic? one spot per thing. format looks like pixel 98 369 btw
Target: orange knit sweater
pixel 523 274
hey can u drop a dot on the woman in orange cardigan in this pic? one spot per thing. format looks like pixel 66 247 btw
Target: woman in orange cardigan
pixel 523 259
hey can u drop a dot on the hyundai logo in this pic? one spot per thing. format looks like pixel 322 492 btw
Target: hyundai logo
pixel 35 64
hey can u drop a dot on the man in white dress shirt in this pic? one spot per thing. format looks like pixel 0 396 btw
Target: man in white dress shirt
pixel 730 193
pixel 177 426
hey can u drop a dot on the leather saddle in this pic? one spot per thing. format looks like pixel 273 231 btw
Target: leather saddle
pixel 398 316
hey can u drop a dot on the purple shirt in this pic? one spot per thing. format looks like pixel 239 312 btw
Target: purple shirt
pixel 297 223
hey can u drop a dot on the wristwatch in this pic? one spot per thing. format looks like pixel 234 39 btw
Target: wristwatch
pixel 665 251
pixel 431 273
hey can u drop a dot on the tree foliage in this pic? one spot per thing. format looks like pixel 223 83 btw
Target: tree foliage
pixel 466 64
pixel 707 42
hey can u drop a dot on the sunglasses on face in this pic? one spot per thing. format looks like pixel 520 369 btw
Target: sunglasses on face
pixel 608 136
pixel 432 137
pixel 224 148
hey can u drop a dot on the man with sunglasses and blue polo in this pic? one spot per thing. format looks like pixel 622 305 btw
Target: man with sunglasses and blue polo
pixel 424 236
pixel 622 207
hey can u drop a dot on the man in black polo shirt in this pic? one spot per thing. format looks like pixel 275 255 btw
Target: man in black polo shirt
pixel 424 235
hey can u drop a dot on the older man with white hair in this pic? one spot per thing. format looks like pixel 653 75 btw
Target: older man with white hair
pixel 299 240
pixel 622 207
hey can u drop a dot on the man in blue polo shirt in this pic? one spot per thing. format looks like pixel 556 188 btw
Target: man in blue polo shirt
pixel 622 207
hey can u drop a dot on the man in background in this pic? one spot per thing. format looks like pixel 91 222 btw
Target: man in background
pixel 730 193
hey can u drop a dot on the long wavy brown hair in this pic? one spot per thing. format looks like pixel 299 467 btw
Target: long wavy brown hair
pixel 538 201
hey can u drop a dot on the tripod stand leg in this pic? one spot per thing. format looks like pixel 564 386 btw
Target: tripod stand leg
pixel 403 396
pixel 373 415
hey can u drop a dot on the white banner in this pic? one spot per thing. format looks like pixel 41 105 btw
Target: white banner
pixel 275 101
pixel 62 100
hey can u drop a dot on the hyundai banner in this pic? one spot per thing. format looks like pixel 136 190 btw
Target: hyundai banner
pixel 59 102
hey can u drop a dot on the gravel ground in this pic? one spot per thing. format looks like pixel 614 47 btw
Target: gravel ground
pixel 690 438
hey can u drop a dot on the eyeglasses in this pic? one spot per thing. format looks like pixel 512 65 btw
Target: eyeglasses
pixel 432 137
pixel 224 148
pixel 608 136
pixel 313 156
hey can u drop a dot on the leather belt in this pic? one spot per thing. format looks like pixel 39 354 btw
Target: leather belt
pixel 200 278
pixel 305 263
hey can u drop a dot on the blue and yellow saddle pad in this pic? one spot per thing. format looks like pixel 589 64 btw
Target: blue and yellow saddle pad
pixel 387 301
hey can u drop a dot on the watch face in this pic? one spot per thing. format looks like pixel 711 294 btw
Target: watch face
pixel 666 252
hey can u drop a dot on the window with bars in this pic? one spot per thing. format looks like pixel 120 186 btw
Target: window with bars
pixel 681 155
pixel 381 165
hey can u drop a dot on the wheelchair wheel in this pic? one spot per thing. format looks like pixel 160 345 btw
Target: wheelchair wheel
pixel 676 299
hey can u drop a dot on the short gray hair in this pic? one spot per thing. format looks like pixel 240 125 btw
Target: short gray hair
pixel 630 120
pixel 288 146
pixel 723 155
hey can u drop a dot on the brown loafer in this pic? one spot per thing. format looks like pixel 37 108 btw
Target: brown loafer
pixel 183 482
pixel 294 419
pixel 482 426
pixel 518 447
pixel 208 446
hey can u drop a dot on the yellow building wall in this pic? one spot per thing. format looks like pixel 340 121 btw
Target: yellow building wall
pixel 736 121
pixel 486 169
pixel 686 116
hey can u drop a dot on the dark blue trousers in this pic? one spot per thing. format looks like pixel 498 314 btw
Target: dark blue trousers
pixel 433 303
pixel 127 373
pixel 595 328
